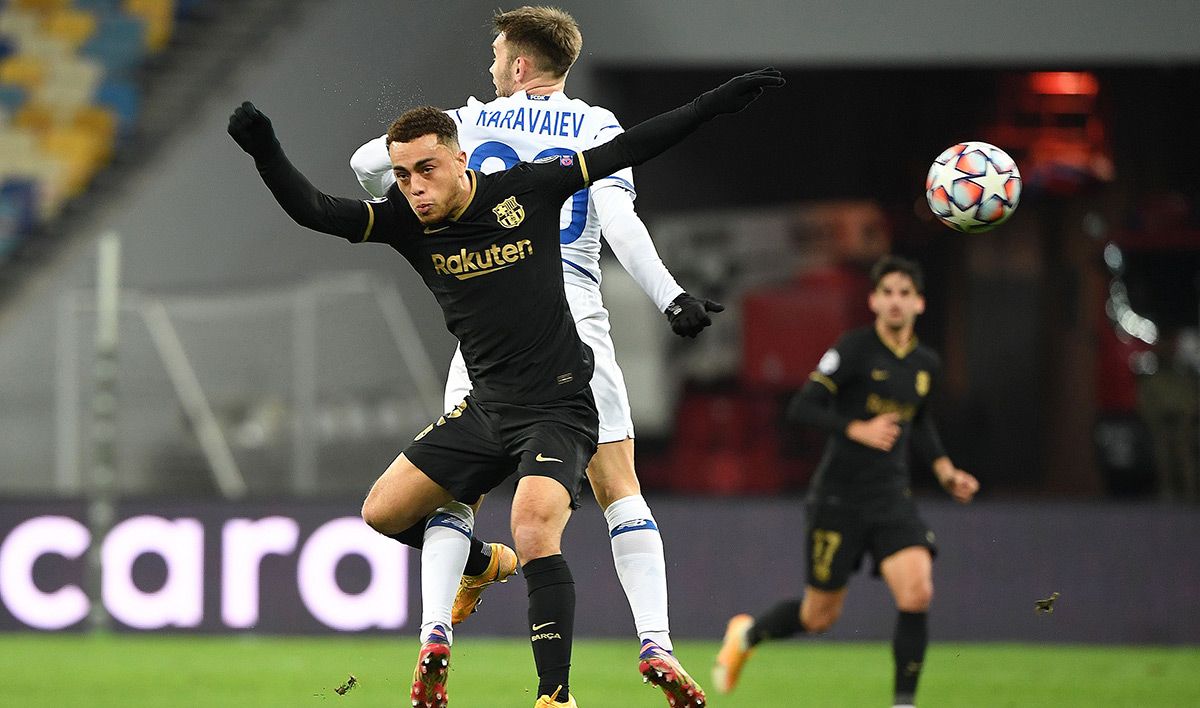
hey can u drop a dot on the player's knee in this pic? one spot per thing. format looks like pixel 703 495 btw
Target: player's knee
pixel 916 597
pixel 818 620
pixel 535 535
pixel 382 518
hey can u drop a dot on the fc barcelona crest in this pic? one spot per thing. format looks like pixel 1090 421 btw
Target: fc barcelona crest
pixel 922 383
pixel 509 213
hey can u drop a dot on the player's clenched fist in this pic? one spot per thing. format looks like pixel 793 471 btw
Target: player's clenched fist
pixel 251 129
pixel 688 315
pixel 737 93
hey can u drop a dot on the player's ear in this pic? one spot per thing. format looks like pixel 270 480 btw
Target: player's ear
pixel 522 68
pixel 920 304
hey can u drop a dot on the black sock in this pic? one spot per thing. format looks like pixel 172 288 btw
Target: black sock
pixel 782 620
pixel 908 648
pixel 477 560
pixel 479 557
pixel 552 621
pixel 413 536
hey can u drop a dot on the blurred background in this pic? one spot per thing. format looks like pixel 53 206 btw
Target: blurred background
pixel 228 364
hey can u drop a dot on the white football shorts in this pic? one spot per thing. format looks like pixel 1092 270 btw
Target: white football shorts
pixel 608 383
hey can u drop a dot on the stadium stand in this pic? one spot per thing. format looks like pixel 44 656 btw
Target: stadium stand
pixel 71 75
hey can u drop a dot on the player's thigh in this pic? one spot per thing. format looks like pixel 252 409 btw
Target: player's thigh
pixel 555 440
pixel 541 508
pixel 401 496
pixel 909 575
pixel 611 472
pixel 458 381
pixel 608 381
pixel 836 542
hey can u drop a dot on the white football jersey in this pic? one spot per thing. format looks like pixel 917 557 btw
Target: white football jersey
pixel 522 128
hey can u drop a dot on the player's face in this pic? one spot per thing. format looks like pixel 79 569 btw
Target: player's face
pixel 432 176
pixel 896 302
pixel 504 66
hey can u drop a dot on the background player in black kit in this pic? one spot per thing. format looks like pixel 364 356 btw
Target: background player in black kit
pixel 487 248
pixel 869 393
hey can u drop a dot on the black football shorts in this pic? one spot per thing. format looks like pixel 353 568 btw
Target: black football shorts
pixel 840 534
pixel 473 448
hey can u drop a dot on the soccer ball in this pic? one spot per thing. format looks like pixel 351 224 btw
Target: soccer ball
pixel 973 187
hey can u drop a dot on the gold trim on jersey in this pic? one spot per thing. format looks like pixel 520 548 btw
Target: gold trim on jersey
pixel 470 197
pixel 370 222
pixel 923 381
pixel 824 381
pixel 900 352
pixel 583 168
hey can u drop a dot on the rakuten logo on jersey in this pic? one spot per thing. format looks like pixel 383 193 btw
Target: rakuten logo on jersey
pixel 469 264
pixel 195 588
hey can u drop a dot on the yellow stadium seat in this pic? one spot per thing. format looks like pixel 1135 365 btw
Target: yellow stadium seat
pixel 82 154
pixel 74 27
pixel 37 118
pixel 101 124
pixel 160 18
pixel 43 6
pixel 23 70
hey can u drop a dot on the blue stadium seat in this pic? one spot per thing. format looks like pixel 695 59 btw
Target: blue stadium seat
pixel 123 98
pixel 12 97
pixel 119 43
pixel 101 7
pixel 18 205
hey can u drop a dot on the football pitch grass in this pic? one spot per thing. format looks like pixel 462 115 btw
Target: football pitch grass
pixel 142 671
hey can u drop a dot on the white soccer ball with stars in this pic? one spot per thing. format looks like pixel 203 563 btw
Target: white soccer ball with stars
pixel 973 187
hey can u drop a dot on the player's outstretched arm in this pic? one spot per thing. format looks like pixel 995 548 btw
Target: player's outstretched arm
pixel 251 129
pixel 650 137
pixel 631 244
pixel 373 167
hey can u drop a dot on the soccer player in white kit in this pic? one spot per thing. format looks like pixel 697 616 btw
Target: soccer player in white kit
pixel 532 119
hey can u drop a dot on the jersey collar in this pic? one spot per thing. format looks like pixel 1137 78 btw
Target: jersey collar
pixel 541 98
pixel 470 197
pixel 900 352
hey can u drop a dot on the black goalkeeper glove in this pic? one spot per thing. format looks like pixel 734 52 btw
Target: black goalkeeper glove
pixel 689 315
pixel 737 93
pixel 251 129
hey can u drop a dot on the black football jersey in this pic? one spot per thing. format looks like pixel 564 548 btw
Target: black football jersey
pixel 862 377
pixel 496 270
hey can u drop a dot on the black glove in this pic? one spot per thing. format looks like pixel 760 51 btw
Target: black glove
pixel 689 315
pixel 252 131
pixel 737 93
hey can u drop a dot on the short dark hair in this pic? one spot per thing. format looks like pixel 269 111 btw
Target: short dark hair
pixel 895 264
pixel 547 35
pixel 423 120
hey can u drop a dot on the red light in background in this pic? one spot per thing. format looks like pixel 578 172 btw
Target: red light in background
pixel 1064 83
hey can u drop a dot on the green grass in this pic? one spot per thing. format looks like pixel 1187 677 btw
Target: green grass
pixel 133 672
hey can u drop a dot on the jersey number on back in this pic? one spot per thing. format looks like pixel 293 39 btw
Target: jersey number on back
pixel 579 201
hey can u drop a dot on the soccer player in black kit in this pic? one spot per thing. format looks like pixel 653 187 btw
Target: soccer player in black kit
pixel 487 247
pixel 870 394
